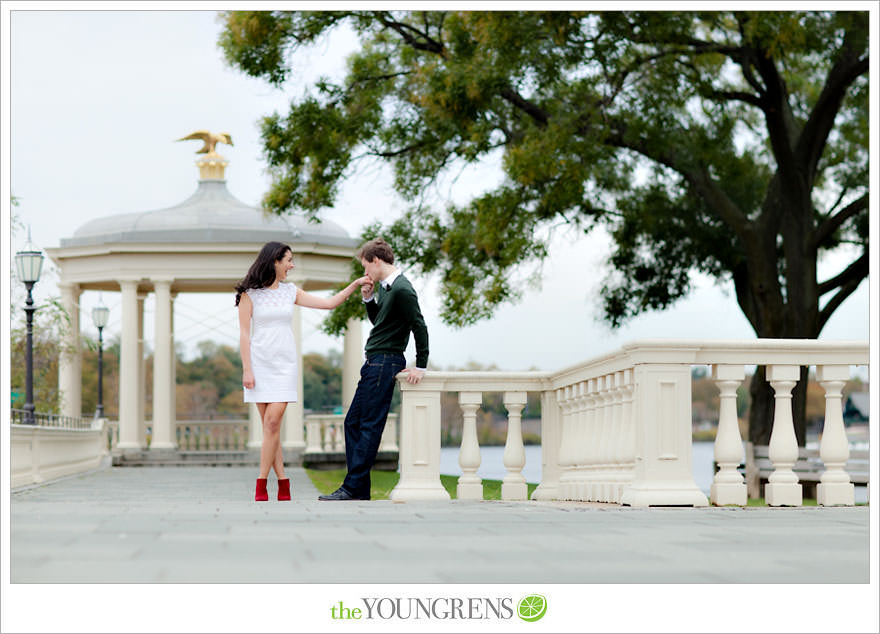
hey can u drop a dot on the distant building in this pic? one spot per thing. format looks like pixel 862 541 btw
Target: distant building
pixel 856 409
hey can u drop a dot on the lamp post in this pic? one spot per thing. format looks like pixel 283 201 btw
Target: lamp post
pixel 100 315
pixel 28 265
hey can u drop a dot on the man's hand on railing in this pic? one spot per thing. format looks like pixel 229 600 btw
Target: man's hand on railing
pixel 414 375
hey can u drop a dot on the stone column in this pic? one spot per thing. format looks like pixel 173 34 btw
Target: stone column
pixel 548 489
pixel 292 433
pixel 70 361
pixel 352 360
pixel 128 369
pixel 663 475
pixel 142 373
pixel 172 407
pixel 419 442
pixel 163 423
pixel 255 427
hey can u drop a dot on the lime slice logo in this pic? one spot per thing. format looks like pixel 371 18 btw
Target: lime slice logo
pixel 532 608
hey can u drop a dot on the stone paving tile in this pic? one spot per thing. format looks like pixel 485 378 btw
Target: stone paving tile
pixel 202 525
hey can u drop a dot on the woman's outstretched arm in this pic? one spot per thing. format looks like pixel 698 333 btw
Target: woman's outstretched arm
pixel 245 310
pixel 312 301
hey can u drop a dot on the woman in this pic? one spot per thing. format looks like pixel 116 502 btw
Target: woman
pixel 269 359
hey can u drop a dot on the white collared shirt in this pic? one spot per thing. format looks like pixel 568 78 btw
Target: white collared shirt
pixel 388 281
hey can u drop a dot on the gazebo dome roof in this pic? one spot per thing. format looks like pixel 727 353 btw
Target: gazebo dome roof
pixel 211 214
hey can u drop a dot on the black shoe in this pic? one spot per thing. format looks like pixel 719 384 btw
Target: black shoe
pixel 341 494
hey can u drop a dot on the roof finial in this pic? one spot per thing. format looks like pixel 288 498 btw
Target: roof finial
pixel 212 166
pixel 211 139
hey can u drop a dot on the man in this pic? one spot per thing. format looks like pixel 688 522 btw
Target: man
pixel 393 308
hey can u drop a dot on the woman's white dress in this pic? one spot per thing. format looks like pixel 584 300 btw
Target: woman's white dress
pixel 273 348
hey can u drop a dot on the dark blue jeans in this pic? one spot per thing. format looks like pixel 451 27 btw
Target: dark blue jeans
pixel 365 420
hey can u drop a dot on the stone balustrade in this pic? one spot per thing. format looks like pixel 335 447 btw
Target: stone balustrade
pixel 617 428
pixel 325 434
pixel 614 429
pixel 41 453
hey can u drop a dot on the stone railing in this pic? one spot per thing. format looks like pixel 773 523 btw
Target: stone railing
pixel 325 434
pixel 618 428
pixel 54 448
pixel 20 417
pixel 196 435
pixel 212 435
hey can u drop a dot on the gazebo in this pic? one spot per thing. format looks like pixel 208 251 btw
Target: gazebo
pixel 203 245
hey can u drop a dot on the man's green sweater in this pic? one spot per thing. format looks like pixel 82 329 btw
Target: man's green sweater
pixel 395 313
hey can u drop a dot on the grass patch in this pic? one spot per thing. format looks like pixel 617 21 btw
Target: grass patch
pixel 762 502
pixel 382 482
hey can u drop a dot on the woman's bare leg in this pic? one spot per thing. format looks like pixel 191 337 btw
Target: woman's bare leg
pixel 279 463
pixel 271 415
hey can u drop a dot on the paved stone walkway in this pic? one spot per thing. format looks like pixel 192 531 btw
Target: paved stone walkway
pixel 199 524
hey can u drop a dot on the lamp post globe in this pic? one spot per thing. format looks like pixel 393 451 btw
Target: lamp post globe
pixel 28 266
pixel 100 315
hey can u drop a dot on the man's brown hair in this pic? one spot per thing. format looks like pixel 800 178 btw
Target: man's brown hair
pixel 376 248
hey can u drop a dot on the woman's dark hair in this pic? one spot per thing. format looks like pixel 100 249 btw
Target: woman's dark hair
pixel 262 271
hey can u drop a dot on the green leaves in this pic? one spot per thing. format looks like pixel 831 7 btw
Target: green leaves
pixel 678 130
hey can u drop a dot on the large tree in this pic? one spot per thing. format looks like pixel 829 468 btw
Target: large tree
pixel 730 143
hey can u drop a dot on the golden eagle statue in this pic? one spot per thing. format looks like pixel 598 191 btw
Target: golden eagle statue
pixel 211 139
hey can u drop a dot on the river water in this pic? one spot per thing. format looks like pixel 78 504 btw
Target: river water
pixel 492 465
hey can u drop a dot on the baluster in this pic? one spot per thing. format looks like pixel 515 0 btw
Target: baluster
pixel 313 435
pixel 470 485
pixel 339 434
pixel 591 441
pixel 513 487
pixel 329 432
pixel 835 488
pixel 566 445
pixel 579 453
pixel 783 488
pixel 617 439
pixel 605 396
pixel 728 486
pixel 628 453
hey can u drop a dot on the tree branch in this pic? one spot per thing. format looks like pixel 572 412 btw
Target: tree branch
pixel 777 113
pixel 845 291
pixel 815 133
pixel 833 223
pixel 535 112
pixel 405 31
pixel 725 209
pixel 857 270
pixel 393 153
pixel 735 95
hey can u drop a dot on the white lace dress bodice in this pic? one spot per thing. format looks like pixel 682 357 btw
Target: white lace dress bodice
pixel 273 347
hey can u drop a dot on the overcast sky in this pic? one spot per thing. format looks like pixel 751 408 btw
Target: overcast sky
pixel 98 98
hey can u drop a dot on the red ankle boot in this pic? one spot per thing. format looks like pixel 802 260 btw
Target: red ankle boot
pixel 284 489
pixel 262 494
